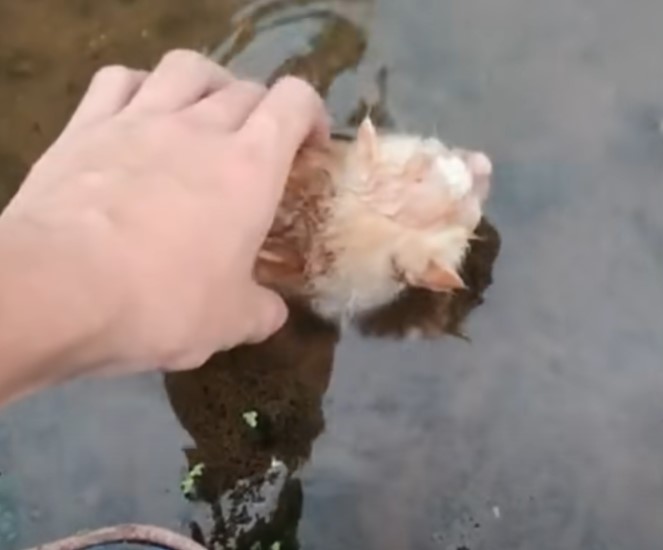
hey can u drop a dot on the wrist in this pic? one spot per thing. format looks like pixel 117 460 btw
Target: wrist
pixel 57 305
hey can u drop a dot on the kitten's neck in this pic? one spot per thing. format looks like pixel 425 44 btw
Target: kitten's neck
pixel 293 251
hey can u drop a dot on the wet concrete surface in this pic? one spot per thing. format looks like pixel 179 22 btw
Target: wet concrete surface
pixel 541 428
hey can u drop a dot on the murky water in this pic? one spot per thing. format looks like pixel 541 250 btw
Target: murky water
pixel 543 428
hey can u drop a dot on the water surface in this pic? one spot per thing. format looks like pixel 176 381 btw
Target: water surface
pixel 542 428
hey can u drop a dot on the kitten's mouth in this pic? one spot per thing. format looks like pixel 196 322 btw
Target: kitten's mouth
pixel 481 171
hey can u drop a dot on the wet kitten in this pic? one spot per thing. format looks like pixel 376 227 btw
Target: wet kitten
pixel 364 219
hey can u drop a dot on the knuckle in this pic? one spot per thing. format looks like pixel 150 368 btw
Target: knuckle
pixel 267 123
pixel 298 89
pixel 295 83
pixel 252 87
pixel 112 73
pixel 250 157
pixel 301 93
pixel 250 154
pixel 182 56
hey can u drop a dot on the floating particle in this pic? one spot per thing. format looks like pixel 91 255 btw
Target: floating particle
pixel 189 482
pixel 251 418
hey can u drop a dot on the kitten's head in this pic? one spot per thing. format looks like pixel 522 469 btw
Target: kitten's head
pixel 435 191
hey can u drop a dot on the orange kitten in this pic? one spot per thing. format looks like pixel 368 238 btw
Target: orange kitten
pixel 362 220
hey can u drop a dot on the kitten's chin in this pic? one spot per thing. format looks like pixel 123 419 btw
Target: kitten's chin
pixel 481 169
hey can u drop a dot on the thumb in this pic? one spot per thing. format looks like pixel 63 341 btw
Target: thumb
pixel 268 314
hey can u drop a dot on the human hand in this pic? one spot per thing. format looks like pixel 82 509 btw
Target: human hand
pixel 160 192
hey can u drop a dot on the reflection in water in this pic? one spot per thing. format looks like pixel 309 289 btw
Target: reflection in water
pixel 249 479
pixel 338 47
pixel 248 471
pixel 377 108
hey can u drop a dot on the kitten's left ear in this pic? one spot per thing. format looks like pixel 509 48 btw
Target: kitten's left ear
pixel 436 277
pixel 367 141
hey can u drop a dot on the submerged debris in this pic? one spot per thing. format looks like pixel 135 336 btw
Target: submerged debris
pixel 188 484
pixel 496 512
pixel 251 418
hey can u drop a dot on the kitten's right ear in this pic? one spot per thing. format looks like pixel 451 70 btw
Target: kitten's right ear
pixel 436 277
pixel 367 141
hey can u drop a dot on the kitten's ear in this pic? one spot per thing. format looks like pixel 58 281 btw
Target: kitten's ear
pixel 436 277
pixel 417 166
pixel 278 265
pixel 367 141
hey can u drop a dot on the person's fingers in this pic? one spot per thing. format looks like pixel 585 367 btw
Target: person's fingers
pixel 109 91
pixel 290 113
pixel 268 314
pixel 180 79
pixel 230 107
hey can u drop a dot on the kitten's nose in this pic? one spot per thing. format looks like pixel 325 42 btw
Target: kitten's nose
pixel 481 168
pixel 480 165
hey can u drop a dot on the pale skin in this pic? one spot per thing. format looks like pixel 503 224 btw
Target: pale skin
pixel 131 243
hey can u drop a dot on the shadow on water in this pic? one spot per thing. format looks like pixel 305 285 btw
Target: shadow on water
pixel 282 382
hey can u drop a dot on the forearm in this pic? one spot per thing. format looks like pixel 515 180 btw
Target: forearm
pixel 52 311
